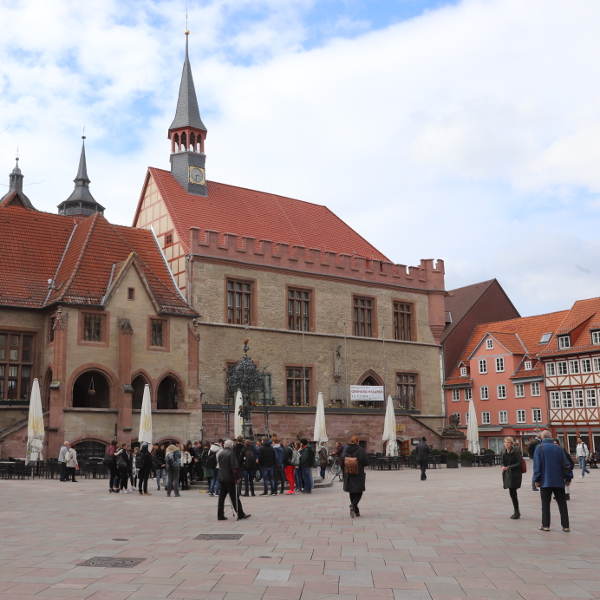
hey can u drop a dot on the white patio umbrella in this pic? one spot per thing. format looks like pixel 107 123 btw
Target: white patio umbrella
pixel 145 434
pixel 35 427
pixel 320 434
pixel 389 429
pixel 238 422
pixel 473 430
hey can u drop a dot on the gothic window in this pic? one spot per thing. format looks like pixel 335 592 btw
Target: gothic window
pixel 16 366
pixel 299 308
pixel 297 381
pixel 239 302
pixel 364 316
pixel 403 315
pixel 93 327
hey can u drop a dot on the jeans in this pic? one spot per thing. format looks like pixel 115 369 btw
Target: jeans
pixel 298 478
pixel 533 486
pixel 289 474
pixel 581 460
pixel 249 475
pixel 322 472
pixel 267 475
pixel 215 484
pixel 279 477
pixel 161 474
pixel 561 500
pixel 307 479
pixel 173 480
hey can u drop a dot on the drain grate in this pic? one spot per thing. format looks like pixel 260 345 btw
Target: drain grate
pixel 219 536
pixel 120 539
pixel 110 562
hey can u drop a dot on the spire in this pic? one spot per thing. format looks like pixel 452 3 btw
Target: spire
pixel 81 201
pixel 15 189
pixel 187 113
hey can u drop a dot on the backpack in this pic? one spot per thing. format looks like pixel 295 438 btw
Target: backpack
pixel 211 461
pixel 351 465
pixel 531 448
pixel 108 459
pixel 139 461
pixel 170 460
pixel 249 459
pixel 295 460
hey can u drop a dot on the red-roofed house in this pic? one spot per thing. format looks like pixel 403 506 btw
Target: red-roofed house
pixel 323 308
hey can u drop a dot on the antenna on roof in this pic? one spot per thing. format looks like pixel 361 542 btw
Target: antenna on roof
pixel 186 16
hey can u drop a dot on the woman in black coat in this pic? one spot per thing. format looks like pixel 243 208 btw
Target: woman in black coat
pixel 354 483
pixel 512 475
pixel 144 459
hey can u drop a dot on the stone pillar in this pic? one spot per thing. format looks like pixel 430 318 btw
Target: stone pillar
pixel 124 392
pixel 58 387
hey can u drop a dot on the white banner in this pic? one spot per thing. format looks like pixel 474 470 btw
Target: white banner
pixel 372 393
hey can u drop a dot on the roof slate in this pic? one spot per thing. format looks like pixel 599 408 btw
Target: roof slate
pixel 264 216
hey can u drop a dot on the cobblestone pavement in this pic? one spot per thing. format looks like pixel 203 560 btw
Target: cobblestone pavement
pixel 447 537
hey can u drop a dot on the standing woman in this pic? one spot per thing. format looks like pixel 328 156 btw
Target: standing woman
pixel 354 483
pixel 113 473
pixel 511 472
pixel 123 465
pixel 144 459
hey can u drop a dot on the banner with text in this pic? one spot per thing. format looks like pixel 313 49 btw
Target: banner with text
pixel 370 393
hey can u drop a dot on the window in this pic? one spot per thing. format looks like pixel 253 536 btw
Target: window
pixel 239 302
pixel 545 338
pixel 168 238
pixel 564 341
pixel 403 312
pixel 458 415
pixel 455 395
pixel 503 417
pixel 93 328
pixel 482 366
pixel 51 323
pixel 407 390
pixel 299 304
pixel 130 293
pixel 574 366
pixel 554 400
pixel 596 365
pixel 489 344
pixel 536 413
pixel 595 337
pixel 483 392
pixel 535 388
pixel 463 371
pixel 363 316
pixel 468 394
pixel 562 368
pixel 590 396
pixel 528 365
pixel 521 417
pixel 16 365
pixel 157 332
pixel 519 390
pixel 567 399
pixel 578 396
pixel 466 418
pixel 586 365
pixel 550 369
pixel 297 381
pixel 485 418
pixel 501 389
pixel 499 365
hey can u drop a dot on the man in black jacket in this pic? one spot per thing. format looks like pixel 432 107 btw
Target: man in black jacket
pixel 266 463
pixel 422 455
pixel 228 473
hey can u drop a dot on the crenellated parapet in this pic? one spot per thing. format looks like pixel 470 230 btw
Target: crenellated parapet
pixel 429 275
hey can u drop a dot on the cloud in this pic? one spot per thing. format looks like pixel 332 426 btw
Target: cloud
pixel 469 133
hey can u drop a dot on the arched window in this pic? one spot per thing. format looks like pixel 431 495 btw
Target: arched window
pixel 86 450
pixel 138 385
pixel 371 380
pixel 176 138
pixel 192 142
pixel 183 142
pixel 167 396
pixel 91 390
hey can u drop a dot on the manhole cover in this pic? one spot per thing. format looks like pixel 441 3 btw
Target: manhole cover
pixel 220 536
pixel 110 562
pixel 120 540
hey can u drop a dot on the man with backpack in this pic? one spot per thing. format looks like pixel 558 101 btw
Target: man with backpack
pixel 353 462
pixel 266 463
pixel 307 461
pixel 535 442
pixel 291 459
pixel 173 463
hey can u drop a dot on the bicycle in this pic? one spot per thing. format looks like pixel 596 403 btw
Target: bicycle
pixel 335 471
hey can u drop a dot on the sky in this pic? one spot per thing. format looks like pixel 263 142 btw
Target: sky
pixel 462 130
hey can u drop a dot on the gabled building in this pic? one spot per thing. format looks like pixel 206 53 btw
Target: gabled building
pixel 91 310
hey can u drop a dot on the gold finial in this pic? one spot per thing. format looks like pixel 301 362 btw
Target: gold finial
pixel 187 32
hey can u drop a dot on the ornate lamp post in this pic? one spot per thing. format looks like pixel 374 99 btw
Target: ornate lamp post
pixel 245 377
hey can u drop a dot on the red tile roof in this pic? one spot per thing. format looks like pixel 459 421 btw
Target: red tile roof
pixel 264 216
pixel 78 256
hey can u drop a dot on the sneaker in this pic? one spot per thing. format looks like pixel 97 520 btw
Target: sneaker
pixel 264 494
pixel 536 490
pixel 581 477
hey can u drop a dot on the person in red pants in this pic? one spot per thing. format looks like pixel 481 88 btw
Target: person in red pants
pixel 289 455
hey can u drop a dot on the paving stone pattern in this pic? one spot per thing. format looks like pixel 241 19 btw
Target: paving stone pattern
pixel 448 537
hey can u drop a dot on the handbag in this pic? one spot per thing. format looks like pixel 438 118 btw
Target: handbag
pixel 258 475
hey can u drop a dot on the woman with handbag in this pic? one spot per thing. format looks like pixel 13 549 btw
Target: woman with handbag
pixel 72 464
pixel 512 474
pixel 353 462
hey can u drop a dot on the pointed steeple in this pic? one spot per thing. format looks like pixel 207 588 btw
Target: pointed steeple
pixel 81 201
pixel 187 134
pixel 15 189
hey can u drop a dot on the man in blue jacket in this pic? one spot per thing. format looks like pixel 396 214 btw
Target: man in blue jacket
pixel 549 474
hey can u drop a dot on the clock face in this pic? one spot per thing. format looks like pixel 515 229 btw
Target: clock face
pixel 197 175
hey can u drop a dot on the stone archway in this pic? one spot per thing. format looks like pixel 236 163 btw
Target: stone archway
pixel 138 385
pixel 91 390
pixel 168 393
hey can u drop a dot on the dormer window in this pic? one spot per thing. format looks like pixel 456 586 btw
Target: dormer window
pixel 564 341
pixel 545 338
pixel 595 337
pixel 489 344
pixel 463 371
pixel 528 365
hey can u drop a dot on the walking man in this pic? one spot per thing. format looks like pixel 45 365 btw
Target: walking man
pixel 422 456
pixel 62 461
pixel 582 453
pixel 550 472
pixel 228 474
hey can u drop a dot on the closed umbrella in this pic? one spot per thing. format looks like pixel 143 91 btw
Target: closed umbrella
pixel 238 421
pixel 320 434
pixel 473 430
pixel 35 427
pixel 145 434
pixel 389 429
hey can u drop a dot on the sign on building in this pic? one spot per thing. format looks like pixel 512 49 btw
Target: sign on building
pixel 370 393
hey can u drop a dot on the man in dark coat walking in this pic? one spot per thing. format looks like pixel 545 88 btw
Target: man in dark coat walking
pixel 354 483
pixel 228 470
pixel 422 455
